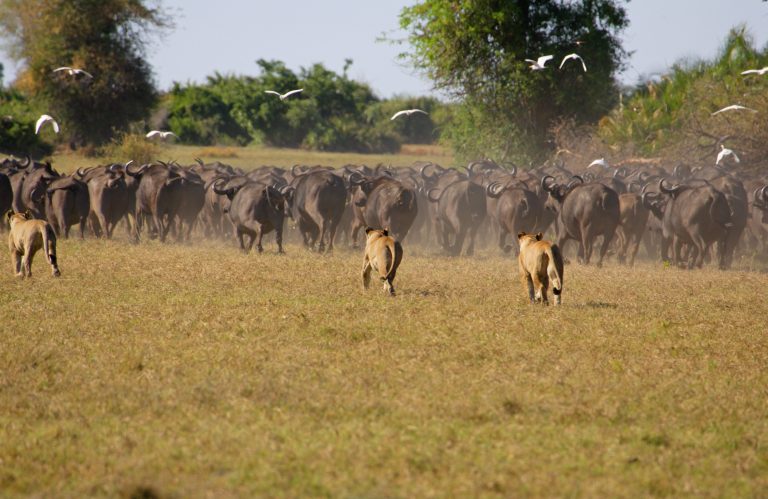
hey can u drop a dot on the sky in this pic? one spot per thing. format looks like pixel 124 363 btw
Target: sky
pixel 229 35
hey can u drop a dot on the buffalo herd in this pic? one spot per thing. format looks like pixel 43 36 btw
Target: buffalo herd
pixel 684 215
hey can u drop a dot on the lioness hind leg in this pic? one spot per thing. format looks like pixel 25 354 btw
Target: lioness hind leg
pixel 16 262
pixel 26 263
pixel 366 274
pixel 388 288
pixel 527 281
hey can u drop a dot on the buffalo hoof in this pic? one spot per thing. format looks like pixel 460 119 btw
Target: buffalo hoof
pixel 56 273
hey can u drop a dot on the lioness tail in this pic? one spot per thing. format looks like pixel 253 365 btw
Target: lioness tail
pixel 555 269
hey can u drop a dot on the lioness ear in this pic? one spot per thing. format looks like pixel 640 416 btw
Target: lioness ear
pixel 385 232
pixel 28 215
pixel 368 229
pixel 539 236
pixel 520 235
pixel 8 214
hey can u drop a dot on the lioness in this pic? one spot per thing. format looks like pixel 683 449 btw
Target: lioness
pixel 540 261
pixel 382 254
pixel 26 237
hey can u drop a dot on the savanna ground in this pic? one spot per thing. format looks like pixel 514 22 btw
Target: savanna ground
pixel 191 371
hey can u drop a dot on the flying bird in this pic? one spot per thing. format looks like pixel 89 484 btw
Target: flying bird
pixel 42 120
pixel 162 135
pixel 574 56
pixel 73 71
pixel 285 95
pixel 406 112
pixel 599 162
pixel 724 153
pixel 755 71
pixel 539 63
pixel 734 107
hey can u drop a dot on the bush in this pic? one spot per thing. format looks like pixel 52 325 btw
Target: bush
pixel 17 127
pixel 127 146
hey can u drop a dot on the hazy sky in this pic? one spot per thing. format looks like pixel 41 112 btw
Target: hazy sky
pixel 229 35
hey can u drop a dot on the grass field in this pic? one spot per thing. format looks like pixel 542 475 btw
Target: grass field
pixel 252 157
pixel 197 371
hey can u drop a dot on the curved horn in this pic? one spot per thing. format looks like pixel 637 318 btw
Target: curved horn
pixel 113 168
pixel 620 172
pixel 423 172
pixel 494 189
pixel 668 190
pixel 356 178
pixel 199 161
pixel 513 170
pixel 643 176
pixel 575 179
pixel 764 193
pixel 293 171
pixel 27 162
pixel 648 197
pixel 218 190
pixel 546 185
pixel 214 180
pixel 434 198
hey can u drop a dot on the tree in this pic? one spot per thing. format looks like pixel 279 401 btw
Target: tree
pixel 475 51
pixel 107 38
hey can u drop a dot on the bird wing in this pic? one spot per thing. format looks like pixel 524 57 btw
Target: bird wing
pixel 720 156
pixel 153 133
pixel 419 111
pixel 40 121
pixel 600 162
pixel 583 65
pixel 86 73
pixel 63 68
pixel 272 92
pixel 55 125
pixel 399 113
pixel 751 71
pixel 566 58
pixel 736 158
pixel 543 59
pixel 169 134
pixel 531 61
pixel 291 92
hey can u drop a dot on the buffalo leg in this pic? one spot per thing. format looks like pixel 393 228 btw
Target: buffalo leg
pixel 279 240
pixel 459 241
pixel 259 236
pixel 240 239
pixel 472 233
pixel 332 234
pixel 604 248
pixel 102 225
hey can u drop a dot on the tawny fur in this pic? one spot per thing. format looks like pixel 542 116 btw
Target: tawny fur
pixel 26 237
pixel 540 262
pixel 382 255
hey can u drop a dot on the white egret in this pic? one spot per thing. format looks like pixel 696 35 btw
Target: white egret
pixel 539 63
pixel 573 56
pixel 406 112
pixel 285 95
pixel 42 120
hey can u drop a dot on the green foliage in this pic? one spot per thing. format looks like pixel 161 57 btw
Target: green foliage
pixel 672 116
pixel 106 38
pixel 130 146
pixel 333 113
pixel 474 50
pixel 17 126
pixel 199 115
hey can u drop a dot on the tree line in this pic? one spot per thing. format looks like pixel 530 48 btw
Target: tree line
pixel 474 51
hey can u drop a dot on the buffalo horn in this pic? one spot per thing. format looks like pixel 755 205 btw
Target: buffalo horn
pixel 545 183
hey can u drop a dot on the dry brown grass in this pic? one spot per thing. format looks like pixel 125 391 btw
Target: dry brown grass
pixel 196 371
pixel 252 157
